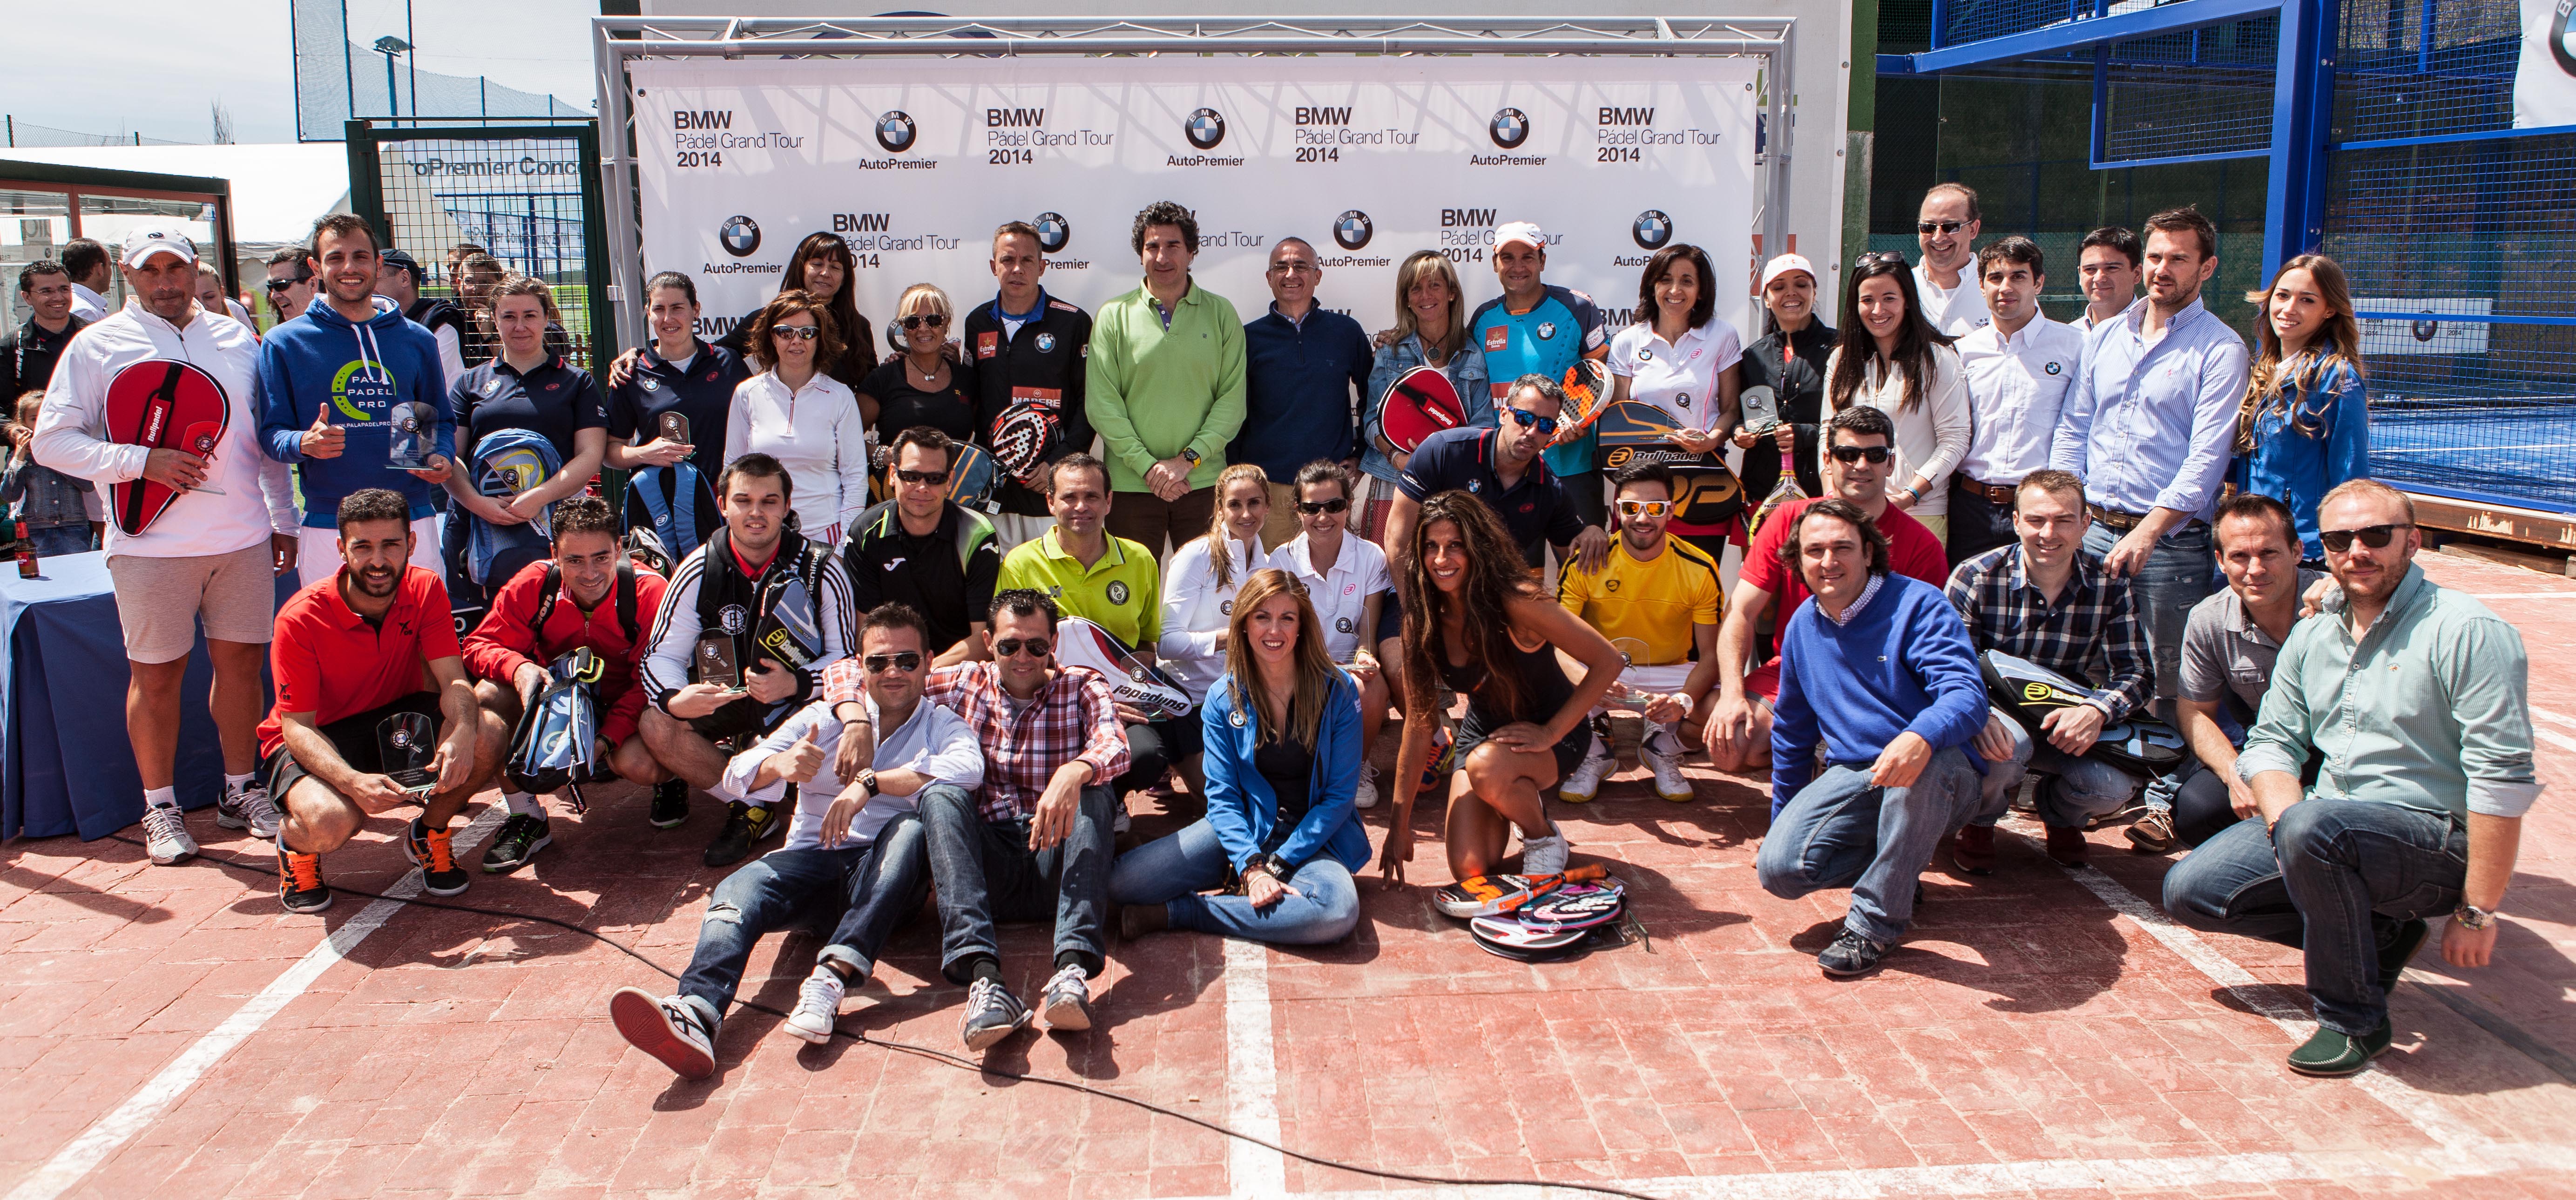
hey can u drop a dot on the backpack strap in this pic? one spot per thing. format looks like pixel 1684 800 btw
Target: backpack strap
pixel 625 599
pixel 546 601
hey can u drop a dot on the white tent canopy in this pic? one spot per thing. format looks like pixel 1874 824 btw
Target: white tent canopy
pixel 278 189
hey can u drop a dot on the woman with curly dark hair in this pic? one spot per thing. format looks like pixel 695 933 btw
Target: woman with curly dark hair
pixel 1477 621
pixel 823 269
pixel 801 416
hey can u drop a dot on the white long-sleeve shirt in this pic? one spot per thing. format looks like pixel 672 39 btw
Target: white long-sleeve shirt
pixel 817 433
pixel 2016 386
pixel 1931 438
pixel 71 433
pixel 1195 611
pixel 934 741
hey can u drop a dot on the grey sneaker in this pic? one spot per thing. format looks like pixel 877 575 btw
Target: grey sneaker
pixel 1067 1000
pixel 818 1006
pixel 992 1013
pixel 165 835
pixel 666 1028
pixel 249 808
pixel 1851 954
pixel 1546 855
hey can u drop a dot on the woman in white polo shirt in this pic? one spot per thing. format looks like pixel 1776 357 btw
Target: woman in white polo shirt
pixel 797 413
pixel 1680 356
pixel 1345 578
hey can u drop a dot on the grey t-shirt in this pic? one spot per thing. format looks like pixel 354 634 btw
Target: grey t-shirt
pixel 2225 652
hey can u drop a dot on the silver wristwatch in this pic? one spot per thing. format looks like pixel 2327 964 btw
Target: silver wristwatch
pixel 2472 918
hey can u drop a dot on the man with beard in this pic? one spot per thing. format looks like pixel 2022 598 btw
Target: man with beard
pixel 351 654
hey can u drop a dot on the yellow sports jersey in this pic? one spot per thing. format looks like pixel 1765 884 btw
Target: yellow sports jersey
pixel 1655 602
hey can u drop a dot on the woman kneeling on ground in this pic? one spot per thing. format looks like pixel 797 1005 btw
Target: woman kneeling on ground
pixel 1282 734
pixel 1477 621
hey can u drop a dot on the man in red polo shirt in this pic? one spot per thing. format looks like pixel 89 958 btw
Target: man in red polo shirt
pixel 364 662
pixel 1858 460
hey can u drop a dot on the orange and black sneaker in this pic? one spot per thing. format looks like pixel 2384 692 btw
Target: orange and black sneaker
pixel 434 852
pixel 299 882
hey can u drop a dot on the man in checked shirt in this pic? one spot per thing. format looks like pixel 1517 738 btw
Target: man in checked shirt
pixel 1035 836
pixel 2046 599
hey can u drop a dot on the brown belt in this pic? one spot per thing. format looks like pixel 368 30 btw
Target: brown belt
pixel 1991 493
pixel 2121 521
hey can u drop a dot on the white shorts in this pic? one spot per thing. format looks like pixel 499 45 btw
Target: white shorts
pixel 317 551
pixel 1663 680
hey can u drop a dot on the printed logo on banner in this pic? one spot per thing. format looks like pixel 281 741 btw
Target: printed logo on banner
pixel 1352 230
pixel 1205 128
pixel 1509 128
pixel 1054 232
pixel 2562 37
pixel 740 235
pixel 1652 229
pixel 896 132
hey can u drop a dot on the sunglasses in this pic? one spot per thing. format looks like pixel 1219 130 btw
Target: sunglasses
pixel 279 285
pixel 802 333
pixel 907 662
pixel 1334 505
pixel 1853 454
pixel 929 477
pixel 1008 647
pixel 1652 508
pixel 1546 425
pixel 1878 257
pixel 933 320
pixel 1938 226
pixel 2373 536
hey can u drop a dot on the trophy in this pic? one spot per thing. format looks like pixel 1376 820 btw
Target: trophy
pixel 675 427
pixel 406 741
pixel 413 424
pixel 716 663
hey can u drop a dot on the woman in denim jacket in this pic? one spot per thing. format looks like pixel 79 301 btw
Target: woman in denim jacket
pixel 1430 330
pixel 53 506
pixel 2304 427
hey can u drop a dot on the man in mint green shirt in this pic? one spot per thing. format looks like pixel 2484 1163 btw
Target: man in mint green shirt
pixel 2408 713
pixel 1164 387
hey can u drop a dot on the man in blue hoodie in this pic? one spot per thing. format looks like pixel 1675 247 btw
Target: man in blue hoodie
pixel 328 384
pixel 1876 669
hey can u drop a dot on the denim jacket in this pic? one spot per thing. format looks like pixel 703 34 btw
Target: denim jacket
pixel 41 496
pixel 1466 371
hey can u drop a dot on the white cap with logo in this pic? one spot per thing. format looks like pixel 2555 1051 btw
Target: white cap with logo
pixel 148 240
pixel 1524 232
pixel 1783 265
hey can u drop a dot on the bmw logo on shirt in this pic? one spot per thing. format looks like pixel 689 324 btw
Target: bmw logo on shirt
pixel 1546 330
pixel 2056 368
pixel 1046 342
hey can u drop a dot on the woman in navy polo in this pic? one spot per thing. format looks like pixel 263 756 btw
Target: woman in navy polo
pixel 525 387
pixel 672 490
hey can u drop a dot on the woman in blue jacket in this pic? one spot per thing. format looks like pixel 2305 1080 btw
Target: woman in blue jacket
pixel 1283 761
pixel 2305 424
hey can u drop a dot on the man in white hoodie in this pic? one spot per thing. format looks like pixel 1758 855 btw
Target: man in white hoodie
pixel 214 553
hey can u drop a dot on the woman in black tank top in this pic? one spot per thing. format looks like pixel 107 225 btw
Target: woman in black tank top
pixel 1476 621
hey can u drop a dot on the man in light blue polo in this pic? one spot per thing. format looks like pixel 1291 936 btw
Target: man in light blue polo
pixel 2149 427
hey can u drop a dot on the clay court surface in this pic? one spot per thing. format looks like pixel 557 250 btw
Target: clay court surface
pixel 169 1033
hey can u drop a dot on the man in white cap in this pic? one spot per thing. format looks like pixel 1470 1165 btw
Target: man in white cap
pixel 213 554
pixel 1538 328
pixel 1946 228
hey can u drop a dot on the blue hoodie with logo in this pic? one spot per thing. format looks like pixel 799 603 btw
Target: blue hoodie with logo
pixel 359 372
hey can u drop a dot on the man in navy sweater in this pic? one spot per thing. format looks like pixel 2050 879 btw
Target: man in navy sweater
pixel 1303 364
pixel 1876 669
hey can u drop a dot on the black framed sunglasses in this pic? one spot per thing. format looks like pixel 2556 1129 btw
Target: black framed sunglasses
pixel 1334 505
pixel 933 320
pixel 1008 647
pixel 1546 426
pixel 2374 536
pixel 1877 258
pixel 907 662
pixel 279 285
pixel 929 477
pixel 1853 454
pixel 1939 226
pixel 802 333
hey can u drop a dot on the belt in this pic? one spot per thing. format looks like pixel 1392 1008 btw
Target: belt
pixel 1991 493
pixel 2121 521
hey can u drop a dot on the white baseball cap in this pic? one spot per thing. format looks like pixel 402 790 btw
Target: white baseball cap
pixel 148 240
pixel 1781 266
pixel 1520 231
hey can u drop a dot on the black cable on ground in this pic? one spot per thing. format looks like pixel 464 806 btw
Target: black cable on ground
pixel 268 874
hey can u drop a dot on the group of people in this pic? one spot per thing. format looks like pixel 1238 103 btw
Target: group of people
pixel 853 662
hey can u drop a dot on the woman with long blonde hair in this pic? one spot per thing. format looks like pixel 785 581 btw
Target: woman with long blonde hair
pixel 1199 587
pixel 1430 330
pixel 2305 424
pixel 1283 762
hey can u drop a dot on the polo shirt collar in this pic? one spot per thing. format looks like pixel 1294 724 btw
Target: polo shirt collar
pixel 337 604
pixel 653 358
pixel 1312 307
pixel 1868 591
pixel 1304 558
pixel 2135 318
pixel 552 362
pixel 1052 546
pixel 1036 310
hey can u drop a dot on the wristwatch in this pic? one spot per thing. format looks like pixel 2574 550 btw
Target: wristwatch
pixel 2473 918
pixel 1190 456
pixel 868 781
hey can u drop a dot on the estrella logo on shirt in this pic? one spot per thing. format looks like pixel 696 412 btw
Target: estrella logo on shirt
pixel 987 344
pixel 362 390
pixel 1497 339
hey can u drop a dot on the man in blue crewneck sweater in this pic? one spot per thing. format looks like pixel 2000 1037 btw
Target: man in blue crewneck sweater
pixel 1876 669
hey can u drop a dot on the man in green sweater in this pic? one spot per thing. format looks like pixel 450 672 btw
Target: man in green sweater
pixel 1165 387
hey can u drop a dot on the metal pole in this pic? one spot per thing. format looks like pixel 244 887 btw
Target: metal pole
pixel 617 192
pixel 348 63
pixel 1775 205
pixel 411 65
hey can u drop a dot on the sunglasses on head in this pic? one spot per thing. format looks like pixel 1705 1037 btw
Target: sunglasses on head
pixel 1546 425
pixel 930 477
pixel 1876 257
pixel 1938 226
pixel 933 320
pixel 1334 505
pixel 1853 454
pixel 802 333
pixel 907 662
pixel 1007 647
pixel 1652 508
pixel 2373 536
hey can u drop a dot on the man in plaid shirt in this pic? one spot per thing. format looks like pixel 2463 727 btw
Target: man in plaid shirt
pixel 2044 598
pixel 1035 837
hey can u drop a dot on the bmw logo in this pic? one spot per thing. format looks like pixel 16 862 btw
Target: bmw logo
pixel 1054 232
pixel 1510 128
pixel 1546 330
pixel 1342 624
pixel 895 131
pixel 740 235
pixel 1352 230
pixel 1652 229
pixel 1235 718
pixel 1645 354
pixel 1206 127
pixel 2562 38
pixel 1046 342
pixel 2055 368
pixel 1683 400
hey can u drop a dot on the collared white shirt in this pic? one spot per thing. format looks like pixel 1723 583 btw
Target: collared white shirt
pixel 1954 311
pixel 1680 379
pixel 816 432
pixel 2016 385
pixel 1196 609
pixel 88 305
pixel 1341 595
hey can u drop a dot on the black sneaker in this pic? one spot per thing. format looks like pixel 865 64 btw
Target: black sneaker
pixel 1067 1000
pixel 299 882
pixel 992 1013
pixel 670 803
pixel 435 854
pixel 1851 954
pixel 744 826
pixel 519 840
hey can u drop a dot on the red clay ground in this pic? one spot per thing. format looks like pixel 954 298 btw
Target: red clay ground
pixel 169 1033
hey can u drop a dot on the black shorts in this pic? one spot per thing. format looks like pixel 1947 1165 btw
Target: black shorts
pixel 1390 620
pixel 355 739
pixel 1569 749
pixel 744 716
pixel 1183 736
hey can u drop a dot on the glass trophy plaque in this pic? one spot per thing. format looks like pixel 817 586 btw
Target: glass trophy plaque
pixel 675 428
pixel 406 741
pixel 409 446
pixel 716 662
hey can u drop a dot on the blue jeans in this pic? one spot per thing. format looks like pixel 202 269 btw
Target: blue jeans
pixel 987 873
pixel 2076 790
pixel 2336 878
pixel 1172 871
pixel 2177 575
pixel 1842 831
pixel 53 541
pixel 873 888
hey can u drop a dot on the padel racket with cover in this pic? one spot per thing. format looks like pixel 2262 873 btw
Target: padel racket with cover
pixel 1577 906
pixel 788 633
pixel 1081 643
pixel 1515 934
pixel 1420 402
pixel 1704 491
pixel 1487 895
pixel 1552 948
pixel 1761 407
pixel 971 477
pixel 162 404
pixel 2029 691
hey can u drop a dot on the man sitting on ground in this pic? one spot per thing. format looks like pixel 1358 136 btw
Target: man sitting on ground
pixel 855 846
pixel 587 596
pixel 1877 672
pixel 723 598
pixel 2414 701
pixel 1656 598
pixel 350 657
pixel 2046 599
pixel 1033 843
pixel 925 551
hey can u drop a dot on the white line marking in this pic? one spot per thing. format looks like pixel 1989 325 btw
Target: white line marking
pixel 84 1153
pixel 2555 738
pixel 2568 595
pixel 1251 1074
pixel 2549 715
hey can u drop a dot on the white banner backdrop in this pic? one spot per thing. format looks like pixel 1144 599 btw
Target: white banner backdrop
pixel 1367 159
pixel 2544 78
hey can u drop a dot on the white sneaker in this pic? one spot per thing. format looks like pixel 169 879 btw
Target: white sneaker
pixel 165 835
pixel 817 1006
pixel 1366 796
pixel 1661 754
pixel 249 808
pixel 1546 855
pixel 1585 782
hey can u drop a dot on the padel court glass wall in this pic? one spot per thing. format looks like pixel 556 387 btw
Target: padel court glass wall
pixel 44 206
pixel 2375 131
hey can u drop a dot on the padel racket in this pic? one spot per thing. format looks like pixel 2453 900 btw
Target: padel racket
pixel 971 477
pixel 1081 643
pixel 2029 691
pixel 1487 895
pixel 1576 943
pixel 1420 402
pixel 1761 408
pixel 1704 491
pixel 162 404
pixel 1587 394
pixel 1577 906
pixel 1022 437
pixel 788 633
pixel 1515 934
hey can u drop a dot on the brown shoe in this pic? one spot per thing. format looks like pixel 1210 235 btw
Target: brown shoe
pixel 2152 833
pixel 1972 850
pixel 2067 846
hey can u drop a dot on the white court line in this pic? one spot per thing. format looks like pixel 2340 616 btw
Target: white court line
pixel 84 1153
pixel 1251 1075
pixel 2554 717
pixel 2570 594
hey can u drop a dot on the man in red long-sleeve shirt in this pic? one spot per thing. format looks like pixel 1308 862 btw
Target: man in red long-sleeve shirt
pixel 597 601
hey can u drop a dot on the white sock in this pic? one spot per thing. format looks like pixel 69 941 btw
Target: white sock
pixel 167 797
pixel 1661 741
pixel 525 804
pixel 235 785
